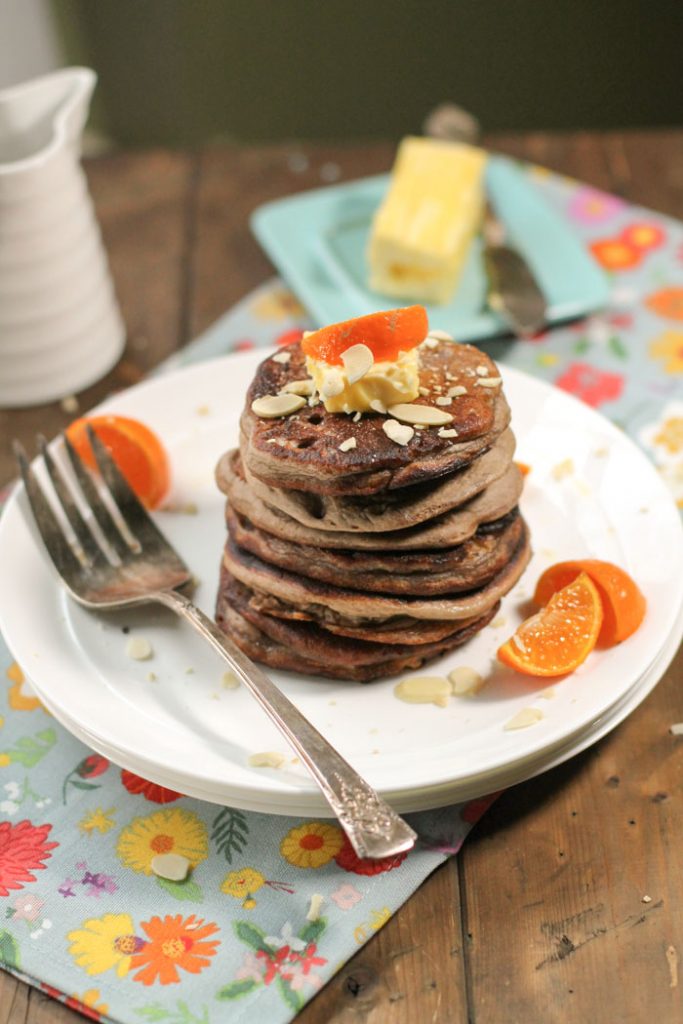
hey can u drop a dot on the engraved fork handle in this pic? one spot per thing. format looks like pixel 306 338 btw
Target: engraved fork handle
pixel 373 828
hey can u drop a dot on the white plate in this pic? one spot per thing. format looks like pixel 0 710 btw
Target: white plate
pixel 613 505
pixel 437 796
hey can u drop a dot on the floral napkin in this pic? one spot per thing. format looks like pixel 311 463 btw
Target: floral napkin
pixel 275 906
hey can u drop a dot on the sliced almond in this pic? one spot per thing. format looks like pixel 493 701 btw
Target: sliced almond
pixel 357 361
pixel 523 719
pixel 489 382
pixel 440 335
pixel 482 371
pixel 456 391
pixel 445 432
pixel 282 357
pixel 378 406
pixel 266 759
pixel 271 407
pixel 398 432
pixel 314 910
pixel 465 681
pixel 357 417
pixel 299 387
pixel 427 414
pixel 562 470
pixel 139 648
pixel 348 444
pixel 423 391
pixel 171 866
pixel 443 400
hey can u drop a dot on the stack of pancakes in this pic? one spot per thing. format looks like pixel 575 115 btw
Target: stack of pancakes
pixel 365 561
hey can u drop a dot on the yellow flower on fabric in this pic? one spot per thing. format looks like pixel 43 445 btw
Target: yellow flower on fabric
pixel 378 918
pixel 88 1001
pixel 669 348
pixel 277 304
pixel 670 434
pixel 172 830
pixel 103 943
pixel 242 883
pixel 312 845
pixel 17 698
pixel 97 821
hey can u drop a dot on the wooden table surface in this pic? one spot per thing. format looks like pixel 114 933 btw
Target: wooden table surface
pixel 542 917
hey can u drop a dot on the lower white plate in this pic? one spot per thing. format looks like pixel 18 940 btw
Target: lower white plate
pixel 605 501
pixel 427 799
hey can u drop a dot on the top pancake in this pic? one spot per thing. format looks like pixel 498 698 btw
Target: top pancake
pixel 301 451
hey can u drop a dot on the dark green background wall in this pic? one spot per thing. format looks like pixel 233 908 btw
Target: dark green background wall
pixel 180 71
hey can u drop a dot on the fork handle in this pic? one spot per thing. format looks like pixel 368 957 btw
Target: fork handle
pixel 373 828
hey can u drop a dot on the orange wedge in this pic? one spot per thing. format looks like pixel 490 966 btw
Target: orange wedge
pixel 622 602
pixel 561 636
pixel 135 449
pixel 386 334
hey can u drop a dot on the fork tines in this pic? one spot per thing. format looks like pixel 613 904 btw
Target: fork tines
pixel 83 516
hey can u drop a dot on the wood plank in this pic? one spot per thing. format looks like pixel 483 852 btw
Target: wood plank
pixel 410 971
pixel 142 202
pixel 555 877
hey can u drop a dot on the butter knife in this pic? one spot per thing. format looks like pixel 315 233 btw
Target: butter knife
pixel 513 291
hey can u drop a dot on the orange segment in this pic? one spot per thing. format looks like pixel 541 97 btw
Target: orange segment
pixel 386 334
pixel 561 636
pixel 135 449
pixel 622 601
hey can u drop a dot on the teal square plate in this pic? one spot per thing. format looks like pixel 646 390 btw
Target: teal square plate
pixel 318 241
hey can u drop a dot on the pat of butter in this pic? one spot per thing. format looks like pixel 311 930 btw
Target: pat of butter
pixel 388 382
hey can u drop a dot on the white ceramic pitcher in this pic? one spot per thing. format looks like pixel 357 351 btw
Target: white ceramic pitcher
pixel 60 326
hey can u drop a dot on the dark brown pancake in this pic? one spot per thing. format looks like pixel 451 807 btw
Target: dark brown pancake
pixel 447 530
pixel 314 643
pixel 326 603
pixel 301 451
pixel 418 573
pixel 260 647
pixel 391 510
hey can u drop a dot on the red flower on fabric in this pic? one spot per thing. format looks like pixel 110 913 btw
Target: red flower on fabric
pixel 307 958
pixel 616 253
pixel 643 236
pixel 150 790
pixel 92 766
pixel 350 861
pixel 475 809
pixel 274 963
pixel 23 848
pixel 592 386
pixel 289 337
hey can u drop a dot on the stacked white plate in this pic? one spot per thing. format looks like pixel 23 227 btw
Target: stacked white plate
pixel 185 730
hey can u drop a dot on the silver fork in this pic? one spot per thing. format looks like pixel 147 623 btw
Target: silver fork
pixel 114 556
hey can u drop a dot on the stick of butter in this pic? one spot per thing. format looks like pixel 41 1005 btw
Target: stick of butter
pixel 423 229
